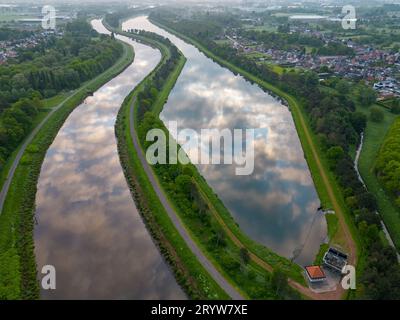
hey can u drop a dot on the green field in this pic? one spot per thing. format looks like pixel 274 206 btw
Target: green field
pixel 375 134
pixel 14 17
pixel 222 42
pixel 264 27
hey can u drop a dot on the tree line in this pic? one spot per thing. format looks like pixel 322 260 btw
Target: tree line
pixel 387 167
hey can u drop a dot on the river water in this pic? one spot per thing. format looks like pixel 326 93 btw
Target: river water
pixel 88 226
pixel 277 204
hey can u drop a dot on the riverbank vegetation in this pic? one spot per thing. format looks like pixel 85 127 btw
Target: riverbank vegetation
pixel 387 166
pixel 17 261
pixel 388 163
pixel 319 110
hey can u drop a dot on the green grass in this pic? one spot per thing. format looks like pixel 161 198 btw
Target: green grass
pixel 256 55
pixel 374 136
pixel 222 42
pixel 17 260
pixel 332 224
pixel 14 17
pixel 278 69
pixel 322 249
pixel 268 28
pixel 54 101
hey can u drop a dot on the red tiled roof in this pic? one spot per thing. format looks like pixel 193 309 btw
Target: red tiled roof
pixel 315 272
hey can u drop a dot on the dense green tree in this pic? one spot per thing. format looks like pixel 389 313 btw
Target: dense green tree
pixel 244 255
pixel 335 154
pixel 359 121
pixel 184 182
pixel 343 87
pixel 388 162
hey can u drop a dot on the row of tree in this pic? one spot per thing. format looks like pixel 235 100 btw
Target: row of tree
pixel 387 165
pixel 149 94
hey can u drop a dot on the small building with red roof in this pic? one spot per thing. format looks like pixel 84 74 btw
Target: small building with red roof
pixel 315 274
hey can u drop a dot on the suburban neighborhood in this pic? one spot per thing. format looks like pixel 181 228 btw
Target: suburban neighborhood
pixel 375 66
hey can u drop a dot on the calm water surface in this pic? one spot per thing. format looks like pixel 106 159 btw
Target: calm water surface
pixel 88 225
pixel 277 204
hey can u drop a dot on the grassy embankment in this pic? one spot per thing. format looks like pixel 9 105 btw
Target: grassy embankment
pixel 374 137
pixel 189 273
pixel 327 187
pixel 17 260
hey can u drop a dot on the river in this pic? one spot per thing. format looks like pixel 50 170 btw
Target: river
pixel 277 204
pixel 88 226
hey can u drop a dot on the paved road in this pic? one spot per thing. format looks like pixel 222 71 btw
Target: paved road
pixel 11 172
pixel 222 282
